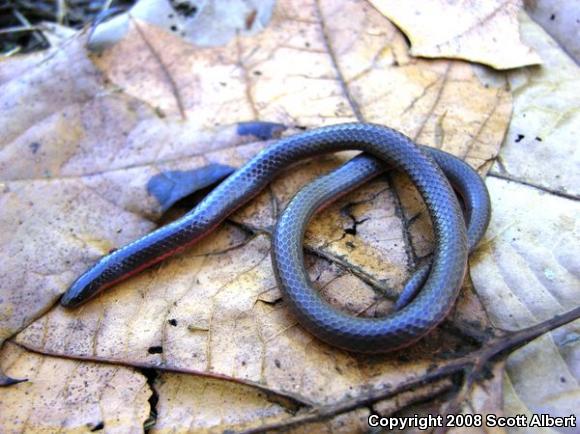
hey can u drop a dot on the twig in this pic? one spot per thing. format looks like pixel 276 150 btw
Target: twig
pixel 17 29
pixel 470 365
pixel 106 5
pixel 61 11
pixel 37 35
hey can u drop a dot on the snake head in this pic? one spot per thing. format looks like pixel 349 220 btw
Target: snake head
pixel 89 284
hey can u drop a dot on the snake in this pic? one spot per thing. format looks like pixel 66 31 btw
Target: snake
pixel 427 297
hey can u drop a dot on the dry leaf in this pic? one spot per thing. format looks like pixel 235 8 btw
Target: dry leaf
pixel 527 269
pixel 542 132
pixel 560 19
pixel 480 31
pixel 189 403
pixel 484 399
pixel 204 23
pixel 92 155
pixel 215 310
pixel 219 294
pixel 156 105
pixel 137 137
pixel 544 245
pixel 70 396
pixel 527 272
pixel 208 405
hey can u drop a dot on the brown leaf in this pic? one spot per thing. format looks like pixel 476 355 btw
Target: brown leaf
pixel 559 19
pixel 483 400
pixel 527 268
pixel 215 310
pixel 485 32
pixel 189 403
pixel 205 24
pixel 98 153
pixel 202 313
pixel 180 394
pixel 527 272
pixel 546 115
pixel 70 396
pixel 314 65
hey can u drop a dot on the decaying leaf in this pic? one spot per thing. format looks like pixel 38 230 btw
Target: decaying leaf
pixel 204 23
pixel 215 309
pixel 485 32
pixel 111 141
pixel 541 146
pixel 208 398
pixel 70 396
pixel 192 403
pixel 483 400
pixel 560 19
pixel 104 187
pixel 543 245
pixel 543 249
pixel 527 269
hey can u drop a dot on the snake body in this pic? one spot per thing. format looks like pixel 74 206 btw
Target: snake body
pixel 428 296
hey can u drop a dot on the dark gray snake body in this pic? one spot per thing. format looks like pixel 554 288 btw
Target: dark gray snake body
pixel 419 309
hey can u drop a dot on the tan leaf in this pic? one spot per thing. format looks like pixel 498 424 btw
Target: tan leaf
pixel 543 245
pixel 164 106
pixel 70 396
pixel 527 272
pixel 189 403
pixel 209 405
pixel 546 115
pixel 98 153
pixel 205 24
pixel 340 63
pixel 559 19
pixel 527 269
pixel 68 129
pixel 480 31
pixel 482 405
